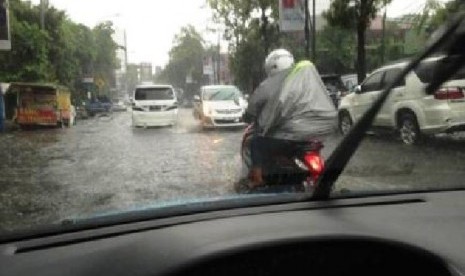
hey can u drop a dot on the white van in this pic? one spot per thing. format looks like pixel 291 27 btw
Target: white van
pixel 154 105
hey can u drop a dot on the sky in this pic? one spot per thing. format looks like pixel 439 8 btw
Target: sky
pixel 150 25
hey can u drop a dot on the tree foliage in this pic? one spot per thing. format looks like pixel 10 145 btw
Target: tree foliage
pixel 252 31
pixel 355 15
pixel 336 50
pixel 63 52
pixel 251 28
pixel 442 13
pixel 185 59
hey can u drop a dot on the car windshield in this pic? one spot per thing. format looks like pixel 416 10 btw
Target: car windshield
pixel 243 104
pixel 221 94
pixel 145 94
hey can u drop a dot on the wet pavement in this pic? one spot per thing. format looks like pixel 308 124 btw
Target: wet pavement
pixel 104 165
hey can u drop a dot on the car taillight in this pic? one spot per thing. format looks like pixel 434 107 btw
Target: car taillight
pixel 314 162
pixel 452 93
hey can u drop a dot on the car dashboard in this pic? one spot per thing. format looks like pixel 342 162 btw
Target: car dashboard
pixel 404 234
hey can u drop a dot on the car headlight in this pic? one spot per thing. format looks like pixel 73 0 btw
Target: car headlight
pixel 208 111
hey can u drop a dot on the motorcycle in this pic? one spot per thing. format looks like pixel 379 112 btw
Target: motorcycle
pixel 294 170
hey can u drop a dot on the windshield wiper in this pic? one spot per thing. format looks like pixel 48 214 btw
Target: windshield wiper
pixel 451 41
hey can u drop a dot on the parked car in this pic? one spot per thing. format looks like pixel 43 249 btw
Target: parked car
pixel 410 110
pixel 154 105
pixel 119 105
pixel 220 106
pixel 335 86
pixel 98 105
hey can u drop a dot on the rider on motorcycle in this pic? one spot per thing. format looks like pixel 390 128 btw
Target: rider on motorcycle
pixel 291 104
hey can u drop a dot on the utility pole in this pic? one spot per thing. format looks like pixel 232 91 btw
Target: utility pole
pixel 307 31
pixel 42 14
pixel 314 32
pixel 218 60
pixel 126 84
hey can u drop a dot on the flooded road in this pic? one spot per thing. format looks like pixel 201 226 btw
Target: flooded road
pixel 104 165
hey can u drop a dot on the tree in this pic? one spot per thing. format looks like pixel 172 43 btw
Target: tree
pixel 234 15
pixel 185 59
pixel 252 30
pixel 105 60
pixel 336 46
pixel 355 14
pixel 247 60
pixel 443 13
pixel 63 52
pixel 28 58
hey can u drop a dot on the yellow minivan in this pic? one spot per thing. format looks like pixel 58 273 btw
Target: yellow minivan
pixel 39 104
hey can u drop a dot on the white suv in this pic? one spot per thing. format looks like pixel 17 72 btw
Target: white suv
pixel 409 109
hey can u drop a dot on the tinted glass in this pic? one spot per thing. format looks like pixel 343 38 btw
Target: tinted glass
pixel 427 71
pixel 154 94
pixel 334 82
pixel 390 77
pixel 373 83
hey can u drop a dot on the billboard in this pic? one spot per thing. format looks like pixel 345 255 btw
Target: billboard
pixel 5 40
pixel 291 15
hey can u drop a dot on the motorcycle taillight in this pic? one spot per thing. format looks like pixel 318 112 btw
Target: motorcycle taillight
pixel 314 163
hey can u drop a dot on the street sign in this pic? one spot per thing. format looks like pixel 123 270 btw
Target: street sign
pixel 100 83
pixel 88 80
pixel 291 15
pixel 5 39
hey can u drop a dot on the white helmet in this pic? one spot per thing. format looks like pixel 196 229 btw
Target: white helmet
pixel 278 60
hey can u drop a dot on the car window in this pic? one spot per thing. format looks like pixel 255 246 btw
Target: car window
pixel 426 71
pixel 373 82
pixel 142 94
pixel 334 82
pixel 391 75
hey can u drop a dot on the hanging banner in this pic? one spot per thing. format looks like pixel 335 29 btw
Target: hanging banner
pixel 291 15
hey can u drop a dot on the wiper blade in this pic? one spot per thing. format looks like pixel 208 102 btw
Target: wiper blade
pixel 344 151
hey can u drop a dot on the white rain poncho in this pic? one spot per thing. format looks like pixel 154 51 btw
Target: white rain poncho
pixel 294 105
